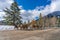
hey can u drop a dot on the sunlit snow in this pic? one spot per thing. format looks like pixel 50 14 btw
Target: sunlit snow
pixel 6 27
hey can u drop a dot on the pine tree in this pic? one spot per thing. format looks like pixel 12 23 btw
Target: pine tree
pixel 13 15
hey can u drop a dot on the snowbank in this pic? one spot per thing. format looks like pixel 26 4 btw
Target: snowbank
pixel 6 27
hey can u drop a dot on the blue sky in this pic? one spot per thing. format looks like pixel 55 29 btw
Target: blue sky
pixel 32 4
pixel 30 9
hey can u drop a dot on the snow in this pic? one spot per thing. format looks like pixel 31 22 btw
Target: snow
pixel 6 27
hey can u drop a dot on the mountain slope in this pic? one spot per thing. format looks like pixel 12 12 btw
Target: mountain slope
pixel 56 14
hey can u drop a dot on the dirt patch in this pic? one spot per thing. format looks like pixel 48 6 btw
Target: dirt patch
pixel 48 34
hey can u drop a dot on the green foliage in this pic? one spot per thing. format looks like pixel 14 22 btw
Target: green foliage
pixel 13 14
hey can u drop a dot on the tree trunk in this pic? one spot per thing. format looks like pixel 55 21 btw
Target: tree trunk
pixel 15 26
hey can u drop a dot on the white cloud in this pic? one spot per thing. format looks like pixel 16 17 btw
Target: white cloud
pixel 5 3
pixel 20 7
pixel 31 14
pixel 54 6
pixel 2 14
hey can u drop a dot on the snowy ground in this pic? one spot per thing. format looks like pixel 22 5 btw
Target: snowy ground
pixel 10 27
pixel 6 27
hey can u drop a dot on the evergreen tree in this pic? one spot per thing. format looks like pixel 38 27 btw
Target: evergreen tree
pixel 13 15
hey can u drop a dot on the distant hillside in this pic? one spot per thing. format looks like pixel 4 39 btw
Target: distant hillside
pixel 56 14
